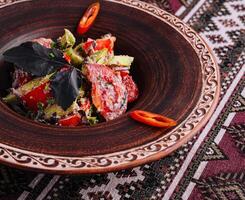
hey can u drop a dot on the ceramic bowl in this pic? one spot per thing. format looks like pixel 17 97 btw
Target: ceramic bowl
pixel 174 69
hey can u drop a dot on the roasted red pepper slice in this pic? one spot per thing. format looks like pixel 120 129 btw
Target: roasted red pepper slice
pixel 152 119
pixel 38 95
pixel 108 93
pixel 88 18
pixel 72 120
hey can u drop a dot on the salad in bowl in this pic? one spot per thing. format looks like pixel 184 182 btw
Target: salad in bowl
pixel 58 82
pixel 71 81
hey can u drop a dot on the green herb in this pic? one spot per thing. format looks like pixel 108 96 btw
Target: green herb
pixel 50 101
pixel 54 45
pixel 99 78
pixel 51 55
pixel 40 106
pixel 124 100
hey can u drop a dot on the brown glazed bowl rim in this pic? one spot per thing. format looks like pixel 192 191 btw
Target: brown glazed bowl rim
pixel 152 151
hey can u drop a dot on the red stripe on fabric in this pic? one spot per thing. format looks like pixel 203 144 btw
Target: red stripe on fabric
pixel 175 4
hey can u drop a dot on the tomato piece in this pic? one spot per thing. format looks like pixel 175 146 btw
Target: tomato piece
pixel 103 44
pixel 131 87
pixel 152 119
pixel 87 46
pixel 109 95
pixel 88 18
pixel 99 44
pixel 38 95
pixel 72 120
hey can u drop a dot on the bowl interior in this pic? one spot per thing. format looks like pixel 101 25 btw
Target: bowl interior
pixel 166 69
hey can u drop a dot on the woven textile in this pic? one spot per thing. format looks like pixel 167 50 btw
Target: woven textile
pixel 210 166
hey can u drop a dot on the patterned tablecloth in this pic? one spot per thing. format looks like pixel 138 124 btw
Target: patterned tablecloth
pixel 210 166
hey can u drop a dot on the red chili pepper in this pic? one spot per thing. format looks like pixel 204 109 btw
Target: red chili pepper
pixel 88 18
pixel 72 120
pixel 38 95
pixel 152 119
